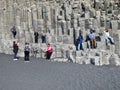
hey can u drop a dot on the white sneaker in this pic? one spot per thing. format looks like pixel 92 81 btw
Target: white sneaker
pixel 27 61
pixel 15 59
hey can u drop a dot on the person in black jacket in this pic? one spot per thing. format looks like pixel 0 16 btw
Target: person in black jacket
pixel 36 36
pixel 14 32
pixel 15 49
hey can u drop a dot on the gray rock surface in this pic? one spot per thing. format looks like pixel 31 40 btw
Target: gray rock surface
pixel 61 21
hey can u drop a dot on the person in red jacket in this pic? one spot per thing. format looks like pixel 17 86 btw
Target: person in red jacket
pixel 49 51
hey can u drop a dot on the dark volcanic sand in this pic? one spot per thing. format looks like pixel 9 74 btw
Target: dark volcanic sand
pixel 39 74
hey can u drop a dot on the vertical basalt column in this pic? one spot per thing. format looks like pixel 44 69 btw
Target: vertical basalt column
pixel 98 18
pixel 39 12
pixel 34 17
pixel 68 27
pixel 44 18
pixel 63 26
pixel 116 37
pixel 10 17
pixel 18 27
pixel 54 19
pixel 1 24
pixel 103 19
pixel 48 20
pixel 59 29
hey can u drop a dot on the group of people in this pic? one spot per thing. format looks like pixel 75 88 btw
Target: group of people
pixel 91 40
pixel 36 35
pixel 27 49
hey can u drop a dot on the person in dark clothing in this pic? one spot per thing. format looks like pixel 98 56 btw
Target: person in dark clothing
pixel 15 50
pixel 83 7
pixel 43 37
pixel 80 42
pixel 49 51
pixel 26 51
pixel 87 41
pixel 14 32
pixel 36 36
pixel 94 4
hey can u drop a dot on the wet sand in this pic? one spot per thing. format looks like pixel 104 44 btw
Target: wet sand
pixel 40 74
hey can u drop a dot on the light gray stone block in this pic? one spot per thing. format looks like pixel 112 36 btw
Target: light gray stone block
pixel 114 60
pixel 61 21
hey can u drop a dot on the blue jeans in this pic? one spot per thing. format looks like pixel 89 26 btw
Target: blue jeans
pixel 15 55
pixel 109 39
pixel 80 46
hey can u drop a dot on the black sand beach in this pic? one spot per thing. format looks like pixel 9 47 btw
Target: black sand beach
pixel 39 74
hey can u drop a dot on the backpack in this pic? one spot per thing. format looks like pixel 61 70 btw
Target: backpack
pixel 13 30
pixel 87 38
pixel 98 38
pixel 26 48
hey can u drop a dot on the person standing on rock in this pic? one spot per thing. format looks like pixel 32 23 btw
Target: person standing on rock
pixel 15 50
pixel 26 52
pixel 43 38
pixel 14 32
pixel 36 36
pixel 49 51
pixel 80 42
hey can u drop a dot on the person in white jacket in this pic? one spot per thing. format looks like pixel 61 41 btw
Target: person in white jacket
pixel 108 38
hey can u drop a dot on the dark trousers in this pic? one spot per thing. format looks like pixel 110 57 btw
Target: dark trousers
pixel 43 40
pixel 26 57
pixel 14 34
pixel 48 55
pixel 36 39
pixel 15 55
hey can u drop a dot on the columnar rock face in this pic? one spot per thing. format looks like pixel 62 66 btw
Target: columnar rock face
pixel 62 21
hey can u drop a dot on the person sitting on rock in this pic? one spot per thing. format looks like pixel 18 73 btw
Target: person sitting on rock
pixel 92 39
pixel 108 38
pixel 36 49
pixel 49 51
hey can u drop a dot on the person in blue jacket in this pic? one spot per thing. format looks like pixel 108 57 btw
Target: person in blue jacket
pixel 80 42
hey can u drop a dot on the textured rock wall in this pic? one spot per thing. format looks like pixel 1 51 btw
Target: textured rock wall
pixel 61 21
